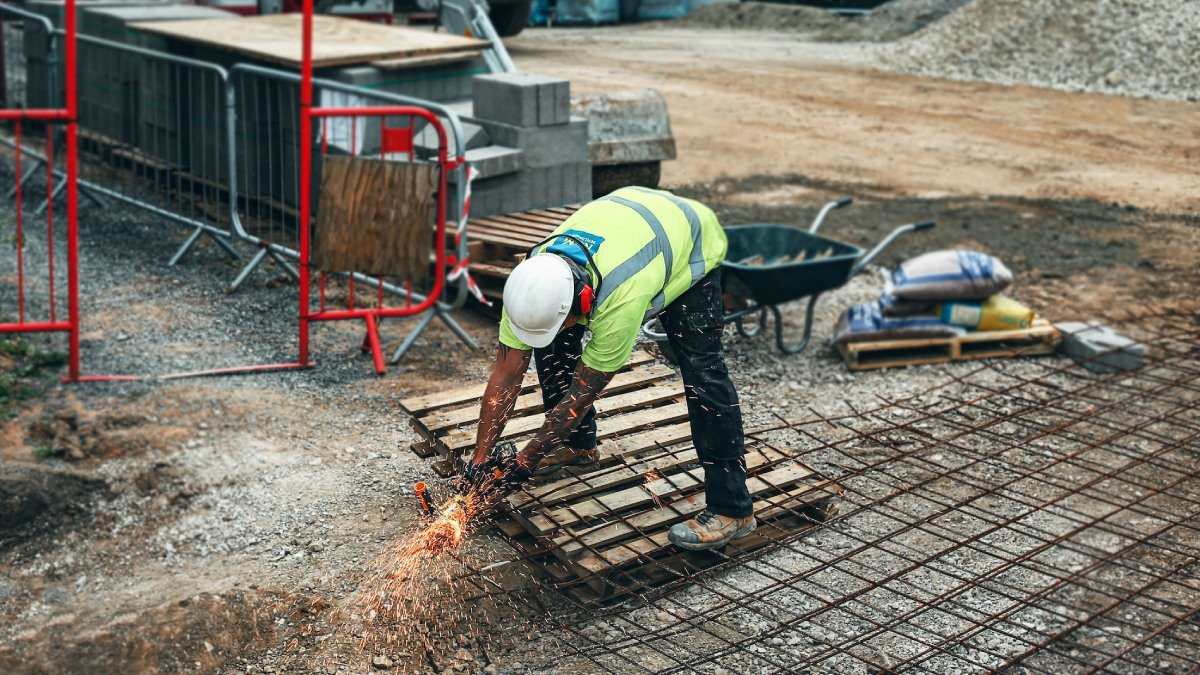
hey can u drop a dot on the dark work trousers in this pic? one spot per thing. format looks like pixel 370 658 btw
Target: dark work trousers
pixel 556 368
pixel 693 325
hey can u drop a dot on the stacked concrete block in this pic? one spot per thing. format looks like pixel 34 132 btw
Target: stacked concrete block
pixel 531 114
pixel 167 94
pixel 522 99
pixel 46 82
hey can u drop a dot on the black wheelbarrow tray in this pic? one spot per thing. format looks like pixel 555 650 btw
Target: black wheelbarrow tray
pixel 768 265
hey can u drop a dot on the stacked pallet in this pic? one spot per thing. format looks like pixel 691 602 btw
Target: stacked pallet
pixel 498 243
pixel 599 533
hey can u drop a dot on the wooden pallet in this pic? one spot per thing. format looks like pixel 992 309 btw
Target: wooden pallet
pixel 603 535
pixel 600 533
pixel 1039 339
pixel 498 243
pixel 638 398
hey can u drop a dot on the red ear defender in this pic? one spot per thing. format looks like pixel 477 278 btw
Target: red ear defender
pixel 585 300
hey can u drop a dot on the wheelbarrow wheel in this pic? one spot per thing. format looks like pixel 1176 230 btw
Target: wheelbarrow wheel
pixel 756 329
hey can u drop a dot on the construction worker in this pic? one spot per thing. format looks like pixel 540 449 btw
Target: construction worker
pixel 613 264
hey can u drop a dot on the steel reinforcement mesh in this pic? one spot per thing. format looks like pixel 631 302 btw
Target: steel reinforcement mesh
pixel 1026 516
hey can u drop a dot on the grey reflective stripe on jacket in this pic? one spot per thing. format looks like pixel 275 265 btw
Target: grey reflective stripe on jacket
pixel 696 260
pixel 661 243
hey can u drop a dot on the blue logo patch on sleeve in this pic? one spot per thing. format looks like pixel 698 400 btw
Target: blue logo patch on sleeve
pixel 571 249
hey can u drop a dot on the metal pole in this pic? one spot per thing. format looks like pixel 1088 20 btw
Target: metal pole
pixel 305 171
pixel 4 68
pixel 72 196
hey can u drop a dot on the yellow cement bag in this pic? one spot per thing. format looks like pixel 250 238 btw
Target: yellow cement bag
pixel 997 312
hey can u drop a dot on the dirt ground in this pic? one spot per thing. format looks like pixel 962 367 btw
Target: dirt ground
pixel 223 525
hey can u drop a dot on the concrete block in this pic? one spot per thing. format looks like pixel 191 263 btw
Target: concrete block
pixel 1099 348
pixel 521 99
pixel 492 161
pixel 474 136
pixel 544 146
pixel 358 76
pixel 554 103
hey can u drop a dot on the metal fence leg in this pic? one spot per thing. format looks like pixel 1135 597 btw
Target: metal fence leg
pixel 287 266
pixel 424 322
pixel 91 196
pixel 58 190
pixel 194 237
pixel 24 179
pixel 250 267
pixel 455 328
pixel 426 319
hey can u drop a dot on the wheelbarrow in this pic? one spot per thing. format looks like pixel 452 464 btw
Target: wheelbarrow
pixel 770 265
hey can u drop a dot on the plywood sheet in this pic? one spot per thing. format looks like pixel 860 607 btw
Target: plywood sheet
pixel 337 41
pixel 374 216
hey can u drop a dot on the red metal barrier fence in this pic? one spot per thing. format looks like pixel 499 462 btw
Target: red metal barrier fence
pixel 33 316
pixel 394 140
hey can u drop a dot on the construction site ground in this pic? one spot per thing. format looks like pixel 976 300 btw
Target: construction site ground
pixel 223 525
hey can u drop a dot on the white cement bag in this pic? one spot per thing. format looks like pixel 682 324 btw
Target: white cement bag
pixel 949 275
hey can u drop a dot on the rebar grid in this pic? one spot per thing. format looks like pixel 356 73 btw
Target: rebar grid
pixel 1024 515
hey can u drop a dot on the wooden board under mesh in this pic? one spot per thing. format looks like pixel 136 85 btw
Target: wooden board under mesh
pixel 600 533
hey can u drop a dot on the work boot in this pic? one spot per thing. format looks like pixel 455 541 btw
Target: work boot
pixel 710 530
pixel 564 456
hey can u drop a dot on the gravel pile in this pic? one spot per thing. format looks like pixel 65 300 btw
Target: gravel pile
pixel 891 21
pixel 760 16
pixel 1145 48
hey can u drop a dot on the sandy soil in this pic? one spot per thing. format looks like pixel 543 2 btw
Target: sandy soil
pixel 748 103
pixel 244 507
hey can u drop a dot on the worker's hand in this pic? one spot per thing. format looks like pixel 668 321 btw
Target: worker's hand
pixel 499 472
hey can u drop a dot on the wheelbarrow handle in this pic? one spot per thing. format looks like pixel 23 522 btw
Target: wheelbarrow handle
pixel 648 329
pixel 835 204
pixel 887 241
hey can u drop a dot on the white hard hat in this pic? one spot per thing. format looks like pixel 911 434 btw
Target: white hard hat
pixel 538 297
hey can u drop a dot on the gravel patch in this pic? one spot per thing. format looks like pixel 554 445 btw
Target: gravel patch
pixel 1143 48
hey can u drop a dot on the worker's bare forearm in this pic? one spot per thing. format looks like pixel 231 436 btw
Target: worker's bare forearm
pixel 562 419
pixel 499 397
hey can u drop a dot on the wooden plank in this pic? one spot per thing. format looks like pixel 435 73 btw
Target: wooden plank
pixel 602 479
pixel 531 403
pixel 490 227
pixel 605 407
pixel 530 221
pixel 501 240
pixel 497 270
pixel 571 543
pixel 605 561
pixel 463 395
pixel 408 62
pixel 510 225
pixel 337 41
pixel 649 492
